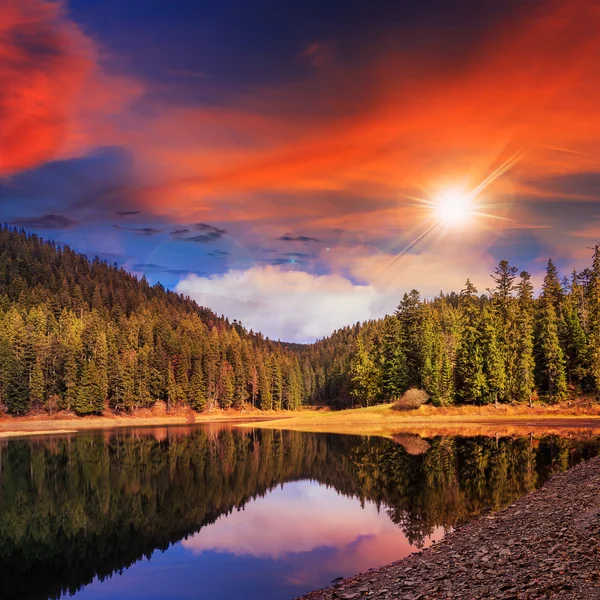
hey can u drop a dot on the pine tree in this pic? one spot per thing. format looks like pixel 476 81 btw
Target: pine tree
pixel 227 385
pixel 364 376
pixel 552 288
pixel 504 276
pixel 197 388
pixel 429 343
pixel 471 380
pixel 172 392
pixel 409 314
pixel 493 360
pixel 524 378
pixel 551 363
pixel 393 368
pixel 575 340
pixel 264 384
pixel 593 349
pixel 89 393
pixel 37 393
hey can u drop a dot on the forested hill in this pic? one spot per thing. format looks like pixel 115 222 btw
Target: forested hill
pixel 503 346
pixel 84 335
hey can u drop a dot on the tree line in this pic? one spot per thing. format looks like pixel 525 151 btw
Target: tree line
pixel 83 335
pixel 501 346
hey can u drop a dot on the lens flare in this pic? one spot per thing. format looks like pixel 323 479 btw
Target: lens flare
pixel 454 208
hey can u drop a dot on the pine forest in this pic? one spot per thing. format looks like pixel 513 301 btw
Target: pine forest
pixel 82 335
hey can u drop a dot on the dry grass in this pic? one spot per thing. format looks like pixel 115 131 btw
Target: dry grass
pixel 569 417
pixel 384 420
pixel 68 422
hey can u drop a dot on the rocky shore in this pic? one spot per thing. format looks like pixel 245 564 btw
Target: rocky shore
pixel 546 545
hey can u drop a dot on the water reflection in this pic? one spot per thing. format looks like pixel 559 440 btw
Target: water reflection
pixel 259 513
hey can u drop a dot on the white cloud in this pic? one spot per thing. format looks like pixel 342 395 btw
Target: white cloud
pixel 298 306
pixel 283 304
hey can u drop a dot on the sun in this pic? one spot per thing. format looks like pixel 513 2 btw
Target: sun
pixel 453 208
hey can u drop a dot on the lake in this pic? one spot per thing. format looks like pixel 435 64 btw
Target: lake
pixel 219 513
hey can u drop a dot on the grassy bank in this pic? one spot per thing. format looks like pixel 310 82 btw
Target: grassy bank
pixel 67 422
pixel 428 420
pixel 382 420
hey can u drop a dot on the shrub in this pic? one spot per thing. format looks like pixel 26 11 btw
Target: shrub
pixel 411 399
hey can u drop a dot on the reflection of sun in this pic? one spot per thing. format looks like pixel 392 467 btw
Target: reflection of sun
pixel 453 208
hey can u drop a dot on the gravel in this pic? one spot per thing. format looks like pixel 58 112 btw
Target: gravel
pixel 545 545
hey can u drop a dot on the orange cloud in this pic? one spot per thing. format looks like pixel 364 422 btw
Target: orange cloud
pixel 406 119
pixel 52 89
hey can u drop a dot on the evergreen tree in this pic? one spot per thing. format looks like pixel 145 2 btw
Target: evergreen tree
pixel 504 277
pixel 551 363
pixel 89 391
pixel 197 389
pixel 524 379
pixel 409 314
pixel 364 376
pixel 37 393
pixel 471 380
pixel 493 361
pixel 593 349
pixel 394 376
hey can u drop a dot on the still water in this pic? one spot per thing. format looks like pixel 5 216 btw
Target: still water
pixel 220 513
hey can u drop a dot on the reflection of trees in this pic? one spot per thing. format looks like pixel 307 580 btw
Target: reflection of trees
pixel 460 477
pixel 85 505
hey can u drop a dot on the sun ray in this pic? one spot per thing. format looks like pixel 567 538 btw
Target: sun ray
pixel 489 216
pixel 409 247
pixel 505 166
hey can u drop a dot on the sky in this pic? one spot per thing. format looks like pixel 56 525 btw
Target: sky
pixel 278 161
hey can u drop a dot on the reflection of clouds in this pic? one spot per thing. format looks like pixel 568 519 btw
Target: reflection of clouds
pixel 303 517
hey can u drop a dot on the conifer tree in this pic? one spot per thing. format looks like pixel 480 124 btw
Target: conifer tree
pixel 37 393
pixel 551 363
pixel 409 314
pixel 594 321
pixel 524 379
pixel 171 396
pixel 575 341
pixel 197 388
pixel 393 366
pixel 504 276
pixel 364 376
pixel 471 381
pixel 493 361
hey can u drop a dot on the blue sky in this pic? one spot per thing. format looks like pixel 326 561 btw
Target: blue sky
pixel 274 160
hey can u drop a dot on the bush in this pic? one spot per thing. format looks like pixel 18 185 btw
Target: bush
pixel 411 399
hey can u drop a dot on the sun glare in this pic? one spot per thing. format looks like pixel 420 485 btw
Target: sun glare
pixel 453 208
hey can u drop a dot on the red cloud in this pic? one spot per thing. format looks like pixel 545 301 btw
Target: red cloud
pixel 406 118
pixel 50 83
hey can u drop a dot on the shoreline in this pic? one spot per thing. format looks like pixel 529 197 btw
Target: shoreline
pixel 545 545
pixel 380 420
pixel 427 421
pixel 12 427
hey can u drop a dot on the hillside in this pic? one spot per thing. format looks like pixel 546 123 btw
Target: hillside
pixel 81 335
